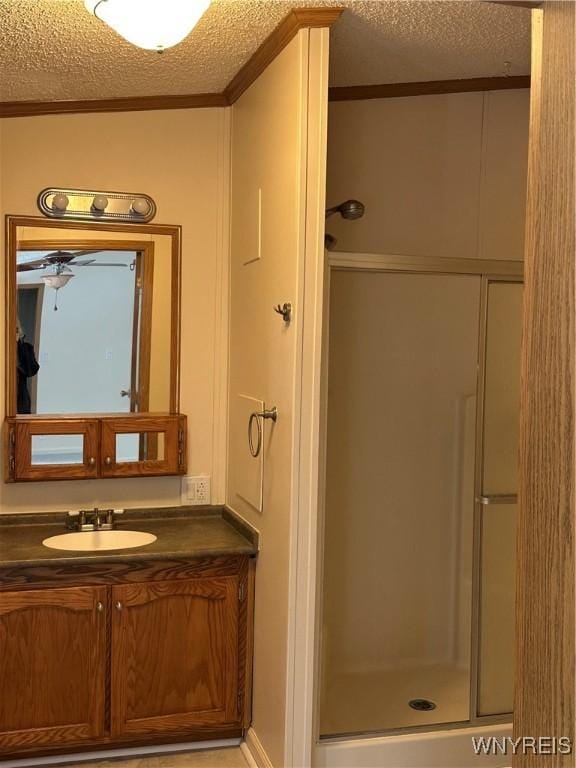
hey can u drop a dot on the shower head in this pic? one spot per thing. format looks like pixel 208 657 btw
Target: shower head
pixel 349 209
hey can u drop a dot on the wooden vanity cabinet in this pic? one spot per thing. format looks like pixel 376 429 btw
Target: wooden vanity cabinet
pixel 52 666
pixel 136 653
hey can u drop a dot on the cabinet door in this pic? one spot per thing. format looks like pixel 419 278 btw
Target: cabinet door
pixel 134 446
pixel 175 655
pixel 53 449
pixel 52 666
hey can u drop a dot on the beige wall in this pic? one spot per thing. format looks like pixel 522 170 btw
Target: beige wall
pixel 439 175
pixel 268 207
pixel 181 159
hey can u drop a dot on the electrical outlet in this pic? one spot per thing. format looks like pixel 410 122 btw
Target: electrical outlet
pixel 196 490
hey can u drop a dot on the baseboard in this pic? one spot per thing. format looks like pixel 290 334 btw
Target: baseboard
pixel 254 752
pixel 129 752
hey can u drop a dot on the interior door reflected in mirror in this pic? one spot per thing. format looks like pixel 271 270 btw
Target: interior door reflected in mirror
pixel 95 316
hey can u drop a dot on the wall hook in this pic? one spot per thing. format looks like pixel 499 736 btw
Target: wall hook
pixel 285 310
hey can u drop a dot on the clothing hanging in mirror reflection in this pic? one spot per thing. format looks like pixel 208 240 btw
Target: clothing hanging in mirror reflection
pixel 26 367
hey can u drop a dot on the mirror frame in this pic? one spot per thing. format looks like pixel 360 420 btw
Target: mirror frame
pixel 12 224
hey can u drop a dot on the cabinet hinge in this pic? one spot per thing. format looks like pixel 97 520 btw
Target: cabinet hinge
pixel 242 591
pixel 180 448
pixel 12 452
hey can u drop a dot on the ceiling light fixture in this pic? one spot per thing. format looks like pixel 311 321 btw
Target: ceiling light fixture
pixel 58 280
pixel 151 24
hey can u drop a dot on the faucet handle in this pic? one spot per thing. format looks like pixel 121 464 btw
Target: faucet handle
pixel 76 518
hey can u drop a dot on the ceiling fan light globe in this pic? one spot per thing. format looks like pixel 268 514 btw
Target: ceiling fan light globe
pixel 150 24
pixel 57 281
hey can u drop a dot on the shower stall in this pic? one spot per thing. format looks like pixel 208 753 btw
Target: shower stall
pixel 422 401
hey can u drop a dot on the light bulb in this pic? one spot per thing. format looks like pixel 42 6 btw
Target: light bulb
pixel 100 202
pixel 60 201
pixel 151 24
pixel 141 206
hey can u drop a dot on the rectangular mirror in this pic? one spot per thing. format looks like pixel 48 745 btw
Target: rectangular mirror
pixel 57 449
pixel 140 446
pixel 92 318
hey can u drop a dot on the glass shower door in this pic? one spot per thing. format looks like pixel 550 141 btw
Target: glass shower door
pixel 498 479
pixel 420 506
pixel 403 354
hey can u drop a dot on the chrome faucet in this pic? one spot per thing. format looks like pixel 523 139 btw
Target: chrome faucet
pixel 93 520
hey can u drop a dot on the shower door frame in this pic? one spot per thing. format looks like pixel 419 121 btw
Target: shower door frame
pixel 489 271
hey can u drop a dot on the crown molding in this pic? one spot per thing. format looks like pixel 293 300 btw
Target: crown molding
pixel 291 24
pixel 288 28
pixel 426 88
pixel 124 104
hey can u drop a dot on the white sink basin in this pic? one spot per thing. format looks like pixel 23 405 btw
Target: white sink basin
pixel 93 541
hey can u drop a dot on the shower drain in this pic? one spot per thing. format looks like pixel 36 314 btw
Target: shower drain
pixel 423 705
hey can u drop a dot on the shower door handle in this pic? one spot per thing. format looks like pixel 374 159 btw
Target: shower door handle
pixel 503 498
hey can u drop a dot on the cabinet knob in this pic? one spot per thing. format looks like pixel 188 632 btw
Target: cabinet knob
pixel 99 607
pixel 91 461
pixel 108 461
pixel 119 606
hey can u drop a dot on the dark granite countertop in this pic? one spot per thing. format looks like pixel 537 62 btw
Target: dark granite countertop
pixel 182 532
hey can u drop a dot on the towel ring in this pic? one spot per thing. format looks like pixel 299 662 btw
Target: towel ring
pixel 272 413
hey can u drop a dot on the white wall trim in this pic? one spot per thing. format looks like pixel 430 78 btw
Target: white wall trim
pixel 451 748
pixel 303 553
pixel 254 752
pixel 221 319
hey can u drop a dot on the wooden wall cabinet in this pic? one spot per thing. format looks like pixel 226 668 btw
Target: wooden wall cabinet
pixel 158 447
pixel 161 660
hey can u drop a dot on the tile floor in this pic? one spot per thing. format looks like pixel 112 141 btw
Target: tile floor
pixel 208 758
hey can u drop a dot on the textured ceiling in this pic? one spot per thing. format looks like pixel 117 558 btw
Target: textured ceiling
pixel 54 49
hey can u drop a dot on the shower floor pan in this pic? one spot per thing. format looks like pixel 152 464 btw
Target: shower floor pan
pixel 379 701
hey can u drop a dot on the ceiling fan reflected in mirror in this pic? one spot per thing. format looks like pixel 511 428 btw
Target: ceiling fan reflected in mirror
pixel 59 262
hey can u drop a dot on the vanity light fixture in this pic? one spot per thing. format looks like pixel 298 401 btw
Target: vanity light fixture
pixel 150 24
pixel 96 204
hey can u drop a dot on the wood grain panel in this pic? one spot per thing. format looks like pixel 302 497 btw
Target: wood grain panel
pixel 174 655
pixel 53 690
pixel 426 88
pixel 545 672
pixel 122 572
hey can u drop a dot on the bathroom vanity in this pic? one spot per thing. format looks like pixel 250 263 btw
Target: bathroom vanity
pixel 129 647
